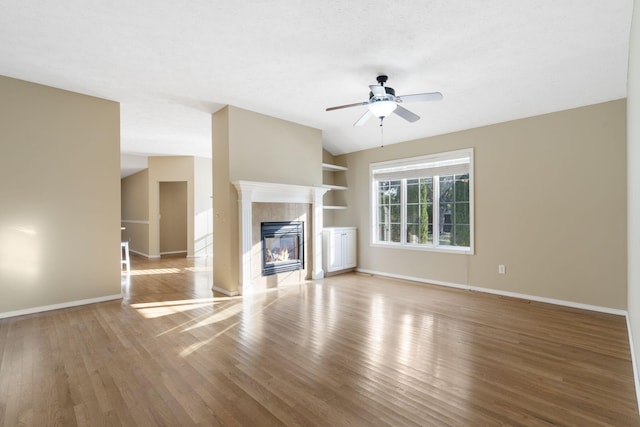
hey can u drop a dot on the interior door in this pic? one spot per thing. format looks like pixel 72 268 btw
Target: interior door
pixel 173 217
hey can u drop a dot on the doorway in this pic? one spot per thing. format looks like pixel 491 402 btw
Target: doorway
pixel 173 217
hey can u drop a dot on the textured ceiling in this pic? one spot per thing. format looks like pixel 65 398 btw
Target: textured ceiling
pixel 171 64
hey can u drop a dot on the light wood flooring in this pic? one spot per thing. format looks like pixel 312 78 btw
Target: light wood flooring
pixel 352 350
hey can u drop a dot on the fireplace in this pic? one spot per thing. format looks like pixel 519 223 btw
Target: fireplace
pixel 282 247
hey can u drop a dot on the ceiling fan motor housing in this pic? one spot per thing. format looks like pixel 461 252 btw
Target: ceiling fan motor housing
pixel 391 94
pixel 382 79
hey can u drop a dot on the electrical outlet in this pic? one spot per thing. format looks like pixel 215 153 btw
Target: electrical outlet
pixel 501 269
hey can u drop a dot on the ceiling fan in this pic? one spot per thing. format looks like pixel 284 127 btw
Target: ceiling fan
pixel 383 101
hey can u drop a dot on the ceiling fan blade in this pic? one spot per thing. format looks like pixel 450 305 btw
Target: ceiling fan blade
pixel 363 119
pixel 421 97
pixel 378 90
pixel 347 106
pixel 406 114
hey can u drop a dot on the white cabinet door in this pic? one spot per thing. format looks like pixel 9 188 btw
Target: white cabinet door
pixel 349 248
pixel 334 260
pixel 339 248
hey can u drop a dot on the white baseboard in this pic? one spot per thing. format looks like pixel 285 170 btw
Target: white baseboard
pixel 144 255
pixel 633 362
pixel 207 255
pixel 225 291
pixel 69 304
pixel 173 252
pixel 564 303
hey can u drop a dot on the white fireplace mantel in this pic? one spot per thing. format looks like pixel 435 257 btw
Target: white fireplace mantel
pixel 268 192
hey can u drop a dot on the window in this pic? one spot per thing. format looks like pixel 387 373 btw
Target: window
pixel 424 202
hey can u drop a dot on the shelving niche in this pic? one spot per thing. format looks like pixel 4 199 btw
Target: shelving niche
pixel 328 167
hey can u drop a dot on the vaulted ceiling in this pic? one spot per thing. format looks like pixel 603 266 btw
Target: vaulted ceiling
pixel 172 63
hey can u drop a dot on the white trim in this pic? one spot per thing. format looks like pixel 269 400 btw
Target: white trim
pixel 174 252
pixel 407 167
pixel 554 301
pixel 334 187
pixel 636 380
pixel 205 255
pixel 333 168
pixel 270 192
pixel 69 304
pixel 143 254
pixel 134 221
pixel 225 291
pixel 461 250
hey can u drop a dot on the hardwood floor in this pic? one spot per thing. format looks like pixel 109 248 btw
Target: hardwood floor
pixel 352 350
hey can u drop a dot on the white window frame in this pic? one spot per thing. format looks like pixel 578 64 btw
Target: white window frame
pixel 439 164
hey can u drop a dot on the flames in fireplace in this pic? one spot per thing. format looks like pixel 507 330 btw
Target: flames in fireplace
pixel 282 247
pixel 277 254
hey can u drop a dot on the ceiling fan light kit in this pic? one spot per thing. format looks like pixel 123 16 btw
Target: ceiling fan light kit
pixel 384 102
pixel 383 108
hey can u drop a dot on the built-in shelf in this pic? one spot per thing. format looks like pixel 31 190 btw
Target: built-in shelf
pixel 328 167
pixel 333 168
pixel 335 187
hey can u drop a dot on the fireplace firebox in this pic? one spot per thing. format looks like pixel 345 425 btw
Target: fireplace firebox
pixel 282 246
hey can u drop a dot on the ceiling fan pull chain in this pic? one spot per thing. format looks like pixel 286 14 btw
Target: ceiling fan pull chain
pixel 381 133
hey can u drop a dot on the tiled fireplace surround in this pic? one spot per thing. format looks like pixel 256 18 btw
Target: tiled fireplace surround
pixel 267 202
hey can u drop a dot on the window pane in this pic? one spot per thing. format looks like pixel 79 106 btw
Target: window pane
pixel 461 215
pixel 412 191
pixel 446 188
pixel 383 234
pixel 426 189
pixel 395 232
pixel 429 212
pixel 426 237
pixel 461 236
pixel 394 192
pixel 446 214
pixel 388 192
pixel 383 192
pixel 413 214
pixel 462 188
pixel 445 236
pixel 395 213
pixel 383 214
pixel 413 233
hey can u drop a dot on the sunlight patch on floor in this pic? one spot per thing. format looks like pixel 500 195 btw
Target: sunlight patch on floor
pixel 224 314
pixel 198 269
pixel 151 310
pixel 155 271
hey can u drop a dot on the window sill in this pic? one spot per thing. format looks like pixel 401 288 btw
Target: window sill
pixel 441 249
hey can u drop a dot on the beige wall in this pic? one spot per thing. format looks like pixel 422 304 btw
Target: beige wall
pixel 253 147
pixel 550 204
pixel 135 211
pixel 167 169
pixel 225 208
pixel 267 149
pixel 633 186
pixel 60 192
pixel 203 222
pixel 173 217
